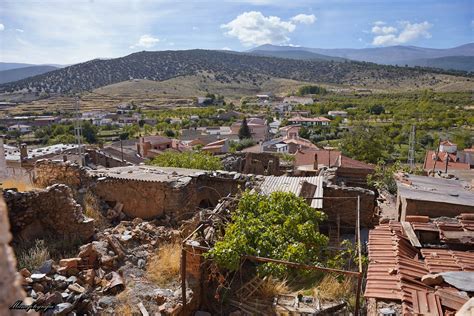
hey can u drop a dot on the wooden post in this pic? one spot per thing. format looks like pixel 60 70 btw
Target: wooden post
pixel 358 234
pixel 358 290
pixel 121 148
pixel 183 274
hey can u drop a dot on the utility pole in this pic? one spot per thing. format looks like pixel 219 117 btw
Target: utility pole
pixel 359 247
pixel 411 150
pixel 78 130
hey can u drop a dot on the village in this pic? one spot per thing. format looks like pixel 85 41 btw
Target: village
pixel 140 237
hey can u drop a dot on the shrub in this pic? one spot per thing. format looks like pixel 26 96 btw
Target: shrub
pixel 279 226
pixel 189 159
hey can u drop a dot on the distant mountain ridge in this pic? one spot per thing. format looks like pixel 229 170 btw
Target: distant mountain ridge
pixel 16 74
pixel 220 66
pixel 296 54
pixel 392 55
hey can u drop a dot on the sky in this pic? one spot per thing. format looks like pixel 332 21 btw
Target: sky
pixel 72 31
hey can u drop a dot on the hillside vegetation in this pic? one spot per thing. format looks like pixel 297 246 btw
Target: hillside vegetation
pixel 225 67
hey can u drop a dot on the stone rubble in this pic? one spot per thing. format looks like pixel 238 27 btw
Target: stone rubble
pixel 90 282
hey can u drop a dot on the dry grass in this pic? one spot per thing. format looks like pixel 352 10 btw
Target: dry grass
pixel 33 257
pixel 19 184
pixel 125 306
pixel 92 210
pixel 272 287
pixel 332 289
pixel 164 266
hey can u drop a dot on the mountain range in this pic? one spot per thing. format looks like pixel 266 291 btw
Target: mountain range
pixel 219 66
pixel 456 58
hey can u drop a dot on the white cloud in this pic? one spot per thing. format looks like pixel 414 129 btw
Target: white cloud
pixel 379 23
pixel 146 41
pixel 225 48
pixel 19 30
pixel 383 29
pixel 253 28
pixel 2 27
pixel 195 28
pixel 304 18
pixel 406 32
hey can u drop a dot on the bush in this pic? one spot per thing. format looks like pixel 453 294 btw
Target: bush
pixel 279 226
pixel 189 159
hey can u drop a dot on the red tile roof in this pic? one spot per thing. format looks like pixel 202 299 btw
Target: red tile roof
pixel 396 268
pixel 306 157
pixel 430 159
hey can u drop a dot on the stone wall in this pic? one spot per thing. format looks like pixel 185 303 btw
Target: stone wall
pixel 49 172
pixel 178 199
pixel 10 280
pixel 254 163
pixel 32 214
pixel 347 208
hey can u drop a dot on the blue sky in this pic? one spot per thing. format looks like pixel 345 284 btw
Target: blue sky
pixel 71 31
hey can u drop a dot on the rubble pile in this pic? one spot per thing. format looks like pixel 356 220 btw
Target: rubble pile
pixel 52 210
pixel 115 263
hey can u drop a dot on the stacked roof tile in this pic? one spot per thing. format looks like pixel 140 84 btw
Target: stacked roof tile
pixel 396 268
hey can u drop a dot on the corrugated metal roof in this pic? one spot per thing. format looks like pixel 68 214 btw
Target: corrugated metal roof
pixel 294 185
pixel 422 188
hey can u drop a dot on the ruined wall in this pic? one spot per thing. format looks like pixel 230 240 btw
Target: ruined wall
pixel 146 199
pixel 32 214
pixel 347 208
pixel 10 280
pixel 255 163
pixel 178 199
pixel 353 176
pixel 100 158
pixel 430 208
pixel 48 172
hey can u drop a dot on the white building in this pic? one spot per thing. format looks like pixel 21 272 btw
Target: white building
pixel 22 128
pixel 337 113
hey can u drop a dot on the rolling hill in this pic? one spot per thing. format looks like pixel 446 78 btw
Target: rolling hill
pixel 16 74
pixel 221 67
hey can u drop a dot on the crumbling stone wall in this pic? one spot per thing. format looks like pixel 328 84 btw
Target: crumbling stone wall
pixel 347 208
pixel 176 199
pixel 50 210
pixel 146 199
pixel 100 158
pixel 49 172
pixel 10 280
pixel 255 163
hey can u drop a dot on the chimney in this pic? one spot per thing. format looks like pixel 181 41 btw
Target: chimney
pixel 23 152
pixel 315 165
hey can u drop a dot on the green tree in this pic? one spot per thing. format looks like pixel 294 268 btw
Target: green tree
pixel 244 130
pixel 89 131
pixel 188 159
pixel 366 143
pixel 279 226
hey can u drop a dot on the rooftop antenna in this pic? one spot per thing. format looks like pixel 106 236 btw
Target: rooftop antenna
pixel 78 130
pixel 411 150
